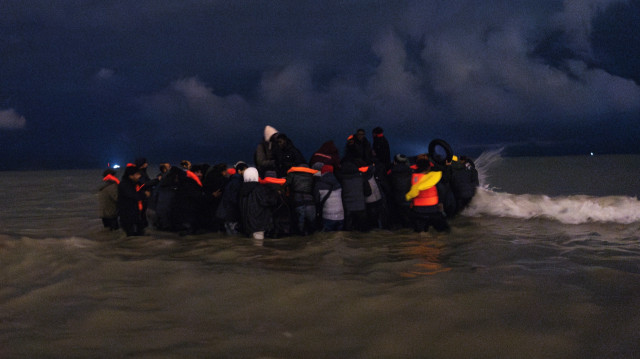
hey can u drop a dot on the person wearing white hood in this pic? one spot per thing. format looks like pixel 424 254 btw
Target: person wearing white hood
pixel 264 156
pixel 256 206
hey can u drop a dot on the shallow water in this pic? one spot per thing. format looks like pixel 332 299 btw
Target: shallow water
pixel 498 286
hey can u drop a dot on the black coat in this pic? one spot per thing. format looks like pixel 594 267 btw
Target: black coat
pixel 189 204
pixel 359 150
pixel 256 203
pixel 163 197
pixel 353 184
pixel 300 185
pixel 128 201
pixel 231 199
pixel 464 180
pixel 381 151
pixel 400 182
pixel 286 158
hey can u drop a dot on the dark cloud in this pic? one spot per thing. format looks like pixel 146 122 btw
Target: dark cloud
pixel 616 41
pixel 202 78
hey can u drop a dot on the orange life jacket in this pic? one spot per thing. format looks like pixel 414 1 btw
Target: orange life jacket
pixel 427 197
pixel 302 169
pixel 275 180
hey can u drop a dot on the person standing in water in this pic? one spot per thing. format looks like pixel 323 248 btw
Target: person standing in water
pixel 426 207
pixel 108 199
pixel 256 204
pixel 130 202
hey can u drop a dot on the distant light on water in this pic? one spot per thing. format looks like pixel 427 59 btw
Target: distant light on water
pixel 591 153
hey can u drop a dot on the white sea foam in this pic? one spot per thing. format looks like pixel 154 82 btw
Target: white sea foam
pixel 570 209
pixel 485 162
pixel 566 209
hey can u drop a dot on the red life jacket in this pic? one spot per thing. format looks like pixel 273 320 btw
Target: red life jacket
pixel 194 177
pixel 140 203
pixel 427 197
pixel 111 178
pixel 323 155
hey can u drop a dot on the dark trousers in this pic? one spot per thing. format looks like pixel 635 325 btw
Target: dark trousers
pixel 111 223
pixel 355 221
pixel 425 217
pixel 329 225
pixel 378 215
pixel 132 226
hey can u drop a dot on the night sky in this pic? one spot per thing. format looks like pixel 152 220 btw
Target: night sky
pixel 86 83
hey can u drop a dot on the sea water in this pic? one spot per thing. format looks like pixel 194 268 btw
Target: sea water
pixel 545 263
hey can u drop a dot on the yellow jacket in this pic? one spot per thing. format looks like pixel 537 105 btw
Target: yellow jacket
pixel 427 181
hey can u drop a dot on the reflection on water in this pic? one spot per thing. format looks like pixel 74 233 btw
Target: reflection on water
pixel 493 288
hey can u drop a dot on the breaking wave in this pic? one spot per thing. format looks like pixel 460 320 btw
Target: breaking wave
pixel 566 209
pixel 574 209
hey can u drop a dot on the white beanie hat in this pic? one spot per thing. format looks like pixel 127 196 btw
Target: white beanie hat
pixel 251 175
pixel 268 132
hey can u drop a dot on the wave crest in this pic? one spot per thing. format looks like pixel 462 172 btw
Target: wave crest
pixel 566 209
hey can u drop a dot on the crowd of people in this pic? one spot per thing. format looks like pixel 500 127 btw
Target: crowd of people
pixel 284 194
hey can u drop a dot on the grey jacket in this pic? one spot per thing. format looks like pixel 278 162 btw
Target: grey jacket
pixel 108 200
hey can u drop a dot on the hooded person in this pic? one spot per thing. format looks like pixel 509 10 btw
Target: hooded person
pixel 327 154
pixel 229 208
pixel 264 155
pixel 286 155
pixel 108 199
pixel 256 203
pixel 130 199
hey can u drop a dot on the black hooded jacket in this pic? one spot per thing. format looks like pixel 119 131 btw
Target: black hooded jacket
pixel 256 204
pixel 128 201
pixel 400 182
pixel 287 156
